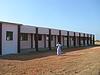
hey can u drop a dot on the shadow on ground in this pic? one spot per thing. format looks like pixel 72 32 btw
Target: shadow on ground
pixel 33 54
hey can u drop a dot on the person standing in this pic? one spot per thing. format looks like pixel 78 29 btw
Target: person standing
pixel 59 49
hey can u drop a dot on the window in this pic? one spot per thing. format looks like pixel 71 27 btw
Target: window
pixel 24 36
pixel 39 37
pixel 9 35
pixel 47 38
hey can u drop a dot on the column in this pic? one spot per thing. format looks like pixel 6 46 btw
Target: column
pixel 74 40
pixel 68 39
pixel 18 45
pixel 36 39
pixel 31 40
pixel 0 38
pixel 49 41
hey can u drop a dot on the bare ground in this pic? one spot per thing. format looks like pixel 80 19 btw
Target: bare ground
pixel 79 61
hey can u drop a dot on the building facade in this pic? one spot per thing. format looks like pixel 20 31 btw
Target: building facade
pixel 15 37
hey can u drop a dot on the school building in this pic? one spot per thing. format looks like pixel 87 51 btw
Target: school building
pixel 16 37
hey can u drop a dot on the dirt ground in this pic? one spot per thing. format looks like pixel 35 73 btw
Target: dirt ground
pixel 75 61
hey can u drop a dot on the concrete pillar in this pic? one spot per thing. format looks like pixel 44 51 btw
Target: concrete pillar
pixel 74 40
pixel 93 39
pixel 49 41
pixel 59 40
pixel 36 39
pixel 0 38
pixel 68 39
pixel 63 40
pixel 44 40
pixel 19 40
pixel 87 39
pixel 31 40
pixel 84 39
pixel 55 40
pixel 79 39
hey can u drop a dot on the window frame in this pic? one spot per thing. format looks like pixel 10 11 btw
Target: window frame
pixel 9 35
pixel 24 37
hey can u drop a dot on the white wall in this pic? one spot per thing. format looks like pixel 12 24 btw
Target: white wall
pixel 71 33
pixel 82 34
pixel 28 29
pixel 89 41
pixel 77 42
pixel 41 42
pixel 85 35
pixel 89 35
pixel 9 47
pixel 54 32
pixel 65 41
pixel 77 39
pixel 62 40
pixel 82 44
pixel 85 42
pixel 33 41
pixel 53 42
pixel 71 42
pixel 63 32
pixel 47 41
pixel 76 34
pixel 43 30
pixel 56 39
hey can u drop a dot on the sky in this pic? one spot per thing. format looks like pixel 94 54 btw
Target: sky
pixel 72 15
